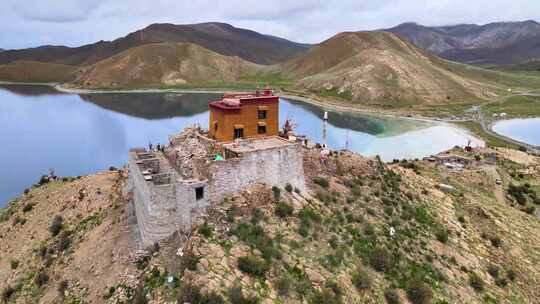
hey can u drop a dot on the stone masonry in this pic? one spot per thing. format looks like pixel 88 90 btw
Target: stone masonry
pixel 168 199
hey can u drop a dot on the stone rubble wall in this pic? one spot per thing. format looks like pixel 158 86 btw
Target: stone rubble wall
pixel 163 209
pixel 273 167
pixel 154 206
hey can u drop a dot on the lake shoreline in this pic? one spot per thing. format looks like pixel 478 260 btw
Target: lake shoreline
pixel 325 106
pixel 492 124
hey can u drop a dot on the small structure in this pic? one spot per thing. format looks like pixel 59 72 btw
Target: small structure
pixel 249 115
pixel 454 159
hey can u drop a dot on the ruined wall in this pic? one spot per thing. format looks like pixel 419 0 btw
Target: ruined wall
pixel 163 209
pixel 154 206
pixel 273 167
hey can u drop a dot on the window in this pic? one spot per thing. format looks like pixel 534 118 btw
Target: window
pixel 215 126
pixel 199 193
pixel 262 114
pixel 261 129
pixel 238 133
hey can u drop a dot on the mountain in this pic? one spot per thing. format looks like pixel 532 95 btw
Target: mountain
pixel 218 37
pixel 378 66
pixel 494 43
pixel 32 71
pixel 164 64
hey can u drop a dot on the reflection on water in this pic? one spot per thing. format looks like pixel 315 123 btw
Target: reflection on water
pixel 152 105
pixel 524 130
pixel 77 135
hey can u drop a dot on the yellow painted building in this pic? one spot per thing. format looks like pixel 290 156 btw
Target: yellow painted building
pixel 239 116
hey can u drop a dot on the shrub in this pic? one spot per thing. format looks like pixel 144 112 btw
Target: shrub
pixel 442 235
pixel 236 296
pixel 495 241
pixel 189 293
pixel 41 279
pixel 14 264
pixel 113 168
pixel 493 270
pixel 277 193
pixel 391 297
pixel 43 180
pixel 369 229
pixel 476 282
pixel 63 241
pixel 256 215
pixel 288 187
pixel 303 230
pixel 189 261
pixel 530 209
pixel 297 191
pixel 283 286
pixel 501 282
pixel 139 296
pixel 18 220
pixel 418 292
pixel 380 259
pixel 255 236
pixel 321 181
pixel 511 275
pixel 62 287
pixel 56 225
pixel 206 230
pixel 388 210
pixel 253 266
pixel 522 149
pixel 28 207
pixel 284 210
pixel 7 294
pixel 334 287
pixel 325 296
pixel 361 279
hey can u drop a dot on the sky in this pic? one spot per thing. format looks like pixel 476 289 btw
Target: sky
pixel 31 23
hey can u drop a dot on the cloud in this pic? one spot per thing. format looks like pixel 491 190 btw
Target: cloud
pixel 76 22
pixel 61 11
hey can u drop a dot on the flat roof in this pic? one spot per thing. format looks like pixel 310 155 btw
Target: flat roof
pixel 256 144
pixel 236 101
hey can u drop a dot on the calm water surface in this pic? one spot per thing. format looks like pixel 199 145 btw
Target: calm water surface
pixel 80 134
pixel 525 130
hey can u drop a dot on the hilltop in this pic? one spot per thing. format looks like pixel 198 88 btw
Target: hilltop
pixel 221 38
pixel 379 66
pixel 33 71
pixel 476 241
pixel 164 64
pixel 499 43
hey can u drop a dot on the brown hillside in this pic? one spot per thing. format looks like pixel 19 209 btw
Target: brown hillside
pixel 330 244
pixel 32 71
pixel 368 66
pixel 164 64
pixel 218 37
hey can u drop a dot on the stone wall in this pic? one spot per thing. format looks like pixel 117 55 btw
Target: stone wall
pixel 273 167
pixel 163 208
pixel 154 206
